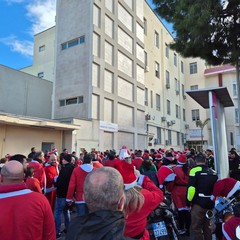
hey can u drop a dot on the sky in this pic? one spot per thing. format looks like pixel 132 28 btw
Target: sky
pixel 20 20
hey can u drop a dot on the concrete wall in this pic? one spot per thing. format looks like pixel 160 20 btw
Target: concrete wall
pixel 20 139
pixel 24 94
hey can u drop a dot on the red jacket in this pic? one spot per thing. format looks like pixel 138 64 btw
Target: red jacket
pixel 112 163
pixel 136 222
pixel 25 215
pixel 179 188
pixel 33 184
pixel 97 164
pixel 229 228
pixel 38 172
pixel 137 162
pixel 77 181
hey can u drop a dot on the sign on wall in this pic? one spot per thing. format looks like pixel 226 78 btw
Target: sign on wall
pixel 195 133
pixel 109 127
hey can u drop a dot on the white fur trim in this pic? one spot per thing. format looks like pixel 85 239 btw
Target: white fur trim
pixel 234 189
pixel 212 198
pixel 130 185
pixel 225 233
pixel 14 194
pixel 140 180
pixel 86 167
pixel 170 177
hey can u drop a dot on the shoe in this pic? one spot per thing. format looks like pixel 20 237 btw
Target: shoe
pixel 58 236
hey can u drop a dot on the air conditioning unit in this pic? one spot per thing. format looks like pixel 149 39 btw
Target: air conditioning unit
pixel 163 119
pixel 167 142
pixel 177 92
pixel 173 122
pixel 146 68
pixel 147 117
pixel 167 85
pixel 184 96
pixel 186 126
pixel 156 141
pixel 169 124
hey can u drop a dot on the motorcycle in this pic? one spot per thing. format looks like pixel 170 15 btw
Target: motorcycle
pixel 162 223
pixel 222 212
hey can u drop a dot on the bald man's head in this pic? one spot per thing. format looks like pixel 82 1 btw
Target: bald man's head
pixel 12 172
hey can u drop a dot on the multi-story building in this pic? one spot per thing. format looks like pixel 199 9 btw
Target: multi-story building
pixel 115 75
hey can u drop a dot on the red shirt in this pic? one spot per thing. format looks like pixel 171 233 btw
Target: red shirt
pixel 25 215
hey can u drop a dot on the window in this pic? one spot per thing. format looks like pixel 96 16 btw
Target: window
pixel 167 79
pixel 145 59
pixel 158 102
pixel 178 138
pixel 159 135
pixel 169 137
pixel 168 107
pixel 73 42
pixel 194 87
pixel 183 90
pixel 175 59
pixel 145 26
pixel 146 97
pixel 41 48
pixel 195 115
pixel 156 39
pixel 235 90
pixel 41 75
pixel 236 116
pixel 184 114
pixel 193 68
pixel 151 98
pixel 157 73
pixel 231 139
pixel 71 101
pixel 166 50
pixel 177 111
pixel 182 67
pixel 177 86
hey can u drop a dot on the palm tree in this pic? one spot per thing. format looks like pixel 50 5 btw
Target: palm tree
pixel 201 124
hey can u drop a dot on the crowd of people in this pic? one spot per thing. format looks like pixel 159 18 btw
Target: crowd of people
pixel 113 193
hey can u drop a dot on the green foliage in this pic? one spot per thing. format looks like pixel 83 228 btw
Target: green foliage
pixel 209 29
pixel 201 124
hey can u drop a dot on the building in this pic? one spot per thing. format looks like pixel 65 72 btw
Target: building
pixel 115 75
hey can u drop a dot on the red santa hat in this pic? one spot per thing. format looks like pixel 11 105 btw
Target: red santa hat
pixel 225 188
pixel 128 175
pixel 124 153
pixel 182 159
pixel 165 174
pixel 158 156
pixel 145 156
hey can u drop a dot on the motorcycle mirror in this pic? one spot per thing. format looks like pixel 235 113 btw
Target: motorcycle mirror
pixel 209 214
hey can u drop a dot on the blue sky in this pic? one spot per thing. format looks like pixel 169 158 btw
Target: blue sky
pixel 19 21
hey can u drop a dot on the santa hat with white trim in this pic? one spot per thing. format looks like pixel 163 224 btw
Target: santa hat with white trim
pixel 225 188
pixel 128 175
pixel 165 174
pixel 124 153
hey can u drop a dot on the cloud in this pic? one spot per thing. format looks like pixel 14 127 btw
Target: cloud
pixel 41 14
pixel 23 47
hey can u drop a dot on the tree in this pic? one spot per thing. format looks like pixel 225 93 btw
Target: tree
pixel 209 29
pixel 201 124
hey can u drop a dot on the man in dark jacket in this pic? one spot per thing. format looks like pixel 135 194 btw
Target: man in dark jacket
pixel 104 196
pixel 234 165
pixel 62 188
pixel 200 188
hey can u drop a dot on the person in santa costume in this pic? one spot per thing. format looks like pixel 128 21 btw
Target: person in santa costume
pixel 32 182
pixel 142 197
pixel 178 189
pixel 25 215
pixel 76 185
pixel 111 160
pixel 229 188
pixel 137 161
pixel 51 171
pixel 39 173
